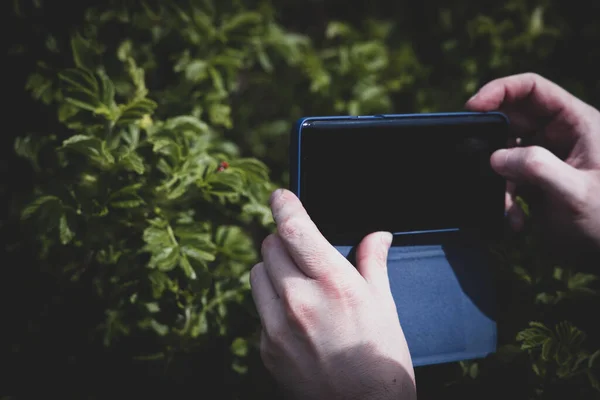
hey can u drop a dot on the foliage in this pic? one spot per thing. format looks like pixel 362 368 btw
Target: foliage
pixel 158 131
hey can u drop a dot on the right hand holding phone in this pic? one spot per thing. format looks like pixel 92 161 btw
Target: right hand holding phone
pixel 563 162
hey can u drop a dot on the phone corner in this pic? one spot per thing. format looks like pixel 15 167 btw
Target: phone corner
pixel 502 115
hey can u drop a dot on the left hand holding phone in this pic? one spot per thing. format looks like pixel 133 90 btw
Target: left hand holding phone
pixel 330 330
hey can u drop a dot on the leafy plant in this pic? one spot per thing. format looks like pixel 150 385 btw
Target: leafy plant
pixel 558 351
pixel 158 203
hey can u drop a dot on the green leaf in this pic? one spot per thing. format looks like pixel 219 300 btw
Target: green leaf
pixel 108 256
pixel 91 147
pixel 41 87
pixel 239 347
pixel 254 169
pixel 593 358
pixel 594 383
pixel 581 280
pixel 337 29
pixel 186 122
pixel 539 367
pixel 29 148
pixel 131 189
pixel 199 326
pixel 168 147
pixel 548 350
pixel 536 24
pixel 224 183
pixel 77 79
pixel 35 205
pixel 235 244
pixel 160 283
pixel 165 259
pixel 131 202
pixel 241 22
pixel 203 22
pixel 197 254
pixel 160 329
pixel 474 370
pixel 220 114
pixel 196 71
pixel 84 100
pixel 153 307
pixel 161 243
pixel 569 335
pixel 524 206
pixel 88 91
pixel 135 111
pixel 535 336
pixel 82 51
pixel 157 235
pixel 260 211
pixel 187 267
pixel 106 92
pixel 132 161
pixel 66 234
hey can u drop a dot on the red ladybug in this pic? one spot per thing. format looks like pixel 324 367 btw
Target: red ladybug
pixel 223 166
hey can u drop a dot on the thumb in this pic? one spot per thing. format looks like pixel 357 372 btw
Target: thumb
pixel 371 258
pixel 539 167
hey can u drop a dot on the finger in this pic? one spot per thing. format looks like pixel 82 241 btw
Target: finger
pixel 313 254
pixel 516 217
pixel 265 297
pixel 511 193
pixel 539 167
pixel 522 122
pixel 280 266
pixel 514 212
pixel 542 97
pixel 267 353
pixel 371 259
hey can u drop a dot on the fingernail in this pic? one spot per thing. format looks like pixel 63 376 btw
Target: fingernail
pixel 472 97
pixel 386 238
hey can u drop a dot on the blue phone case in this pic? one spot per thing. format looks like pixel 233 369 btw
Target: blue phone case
pixel 443 288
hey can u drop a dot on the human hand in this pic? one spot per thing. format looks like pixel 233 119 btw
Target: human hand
pixel 557 153
pixel 330 330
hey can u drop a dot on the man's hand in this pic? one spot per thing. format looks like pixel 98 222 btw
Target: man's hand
pixel 330 330
pixel 557 153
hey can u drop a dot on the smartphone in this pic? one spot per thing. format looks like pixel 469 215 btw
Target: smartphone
pixel 409 174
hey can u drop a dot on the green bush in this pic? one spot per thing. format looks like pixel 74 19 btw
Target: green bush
pixel 159 130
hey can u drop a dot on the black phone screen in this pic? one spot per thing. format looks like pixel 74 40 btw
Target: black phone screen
pixel 402 176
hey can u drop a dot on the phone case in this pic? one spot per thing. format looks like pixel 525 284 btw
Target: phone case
pixel 442 286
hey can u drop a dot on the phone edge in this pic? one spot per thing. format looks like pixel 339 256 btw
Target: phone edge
pixel 296 134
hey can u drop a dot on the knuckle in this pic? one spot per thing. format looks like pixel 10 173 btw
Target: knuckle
pixel 533 160
pixel 586 196
pixel 268 243
pixel 377 257
pixel 340 290
pixel 534 76
pixel 302 315
pixel 291 227
pixel 363 257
